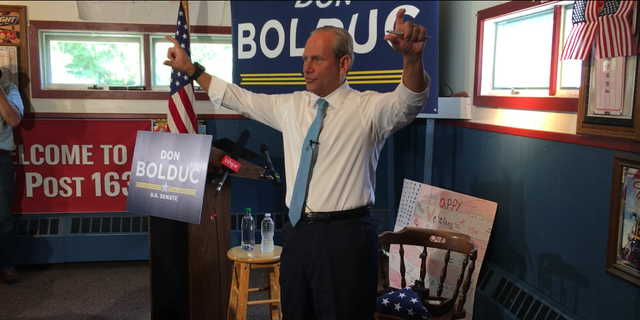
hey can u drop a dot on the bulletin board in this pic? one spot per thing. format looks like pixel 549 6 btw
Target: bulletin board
pixel 425 206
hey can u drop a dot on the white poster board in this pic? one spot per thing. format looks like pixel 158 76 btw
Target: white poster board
pixel 609 94
pixel 430 207
pixel 612 87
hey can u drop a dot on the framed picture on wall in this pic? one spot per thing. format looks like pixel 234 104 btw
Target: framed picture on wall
pixel 13 49
pixel 607 106
pixel 623 245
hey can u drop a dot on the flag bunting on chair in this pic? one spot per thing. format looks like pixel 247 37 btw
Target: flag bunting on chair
pixel 404 302
pixel 181 117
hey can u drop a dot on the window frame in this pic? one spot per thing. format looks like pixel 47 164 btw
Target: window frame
pixel 48 35
pixel 495 90
pixel 546 103
pixel 145 29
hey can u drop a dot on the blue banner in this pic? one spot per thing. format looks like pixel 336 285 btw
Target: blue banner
pixel 269 39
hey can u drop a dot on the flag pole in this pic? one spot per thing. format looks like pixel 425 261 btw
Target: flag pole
pixel 181 116
pixel 185 6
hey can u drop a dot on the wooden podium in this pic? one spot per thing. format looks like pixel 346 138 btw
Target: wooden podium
pixel 190 272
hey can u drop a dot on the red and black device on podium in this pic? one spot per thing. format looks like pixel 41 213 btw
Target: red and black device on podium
pixel 230 163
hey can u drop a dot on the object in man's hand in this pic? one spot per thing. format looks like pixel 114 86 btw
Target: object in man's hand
pixel 400 33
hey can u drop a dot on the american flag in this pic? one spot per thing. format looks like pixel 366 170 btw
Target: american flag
pixel 580 40
pixel 181 117
pixel 404 302
pixel 614 30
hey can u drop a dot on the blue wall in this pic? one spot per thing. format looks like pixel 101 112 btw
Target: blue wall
pixel 551 226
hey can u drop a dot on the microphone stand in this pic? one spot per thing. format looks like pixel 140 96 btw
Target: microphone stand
pixel 266 174
pixel 215 180
pixel 271 176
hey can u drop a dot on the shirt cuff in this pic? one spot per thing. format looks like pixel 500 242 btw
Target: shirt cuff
pixel 415 98
pixel 217 87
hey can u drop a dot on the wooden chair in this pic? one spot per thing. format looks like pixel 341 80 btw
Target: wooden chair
pixel 439 306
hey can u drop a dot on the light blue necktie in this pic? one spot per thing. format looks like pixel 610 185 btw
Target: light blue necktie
pixel 299 197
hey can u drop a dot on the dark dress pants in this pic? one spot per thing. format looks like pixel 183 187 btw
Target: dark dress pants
pixel 329 271
pixel 7 235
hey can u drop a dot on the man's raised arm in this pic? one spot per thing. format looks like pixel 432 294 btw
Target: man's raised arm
pixel 179 60
pixel 411 45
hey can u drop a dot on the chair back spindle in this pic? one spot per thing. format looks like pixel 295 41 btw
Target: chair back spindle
pixel 384 269
pixel 403 270
pixel 423 265
pixel 467 283
pixel 443 273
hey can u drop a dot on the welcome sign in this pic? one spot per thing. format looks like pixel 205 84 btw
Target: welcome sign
pixel 84 167
pixel 168 175
pixel 269 39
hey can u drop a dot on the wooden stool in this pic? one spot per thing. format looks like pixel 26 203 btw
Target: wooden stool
pixel 243 262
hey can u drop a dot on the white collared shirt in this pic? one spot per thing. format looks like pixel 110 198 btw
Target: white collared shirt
pixel 352 135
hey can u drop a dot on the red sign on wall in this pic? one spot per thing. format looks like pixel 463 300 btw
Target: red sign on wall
pixel 74 165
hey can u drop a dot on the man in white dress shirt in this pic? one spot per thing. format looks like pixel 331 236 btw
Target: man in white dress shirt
pixel 329 259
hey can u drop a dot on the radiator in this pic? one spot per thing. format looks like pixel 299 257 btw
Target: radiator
pixel 59 238
pixel 502 296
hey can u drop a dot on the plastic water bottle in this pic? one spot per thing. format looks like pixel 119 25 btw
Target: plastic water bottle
pixel 248 231
pixel 267 233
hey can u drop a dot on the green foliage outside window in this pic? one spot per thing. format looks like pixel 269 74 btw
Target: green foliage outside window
pixel 77 59
pixel 217 58
pixel 102 63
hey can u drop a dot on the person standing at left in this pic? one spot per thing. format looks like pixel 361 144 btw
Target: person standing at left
pixel 11 113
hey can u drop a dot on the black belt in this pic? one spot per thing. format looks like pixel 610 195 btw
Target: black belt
pixel 317 217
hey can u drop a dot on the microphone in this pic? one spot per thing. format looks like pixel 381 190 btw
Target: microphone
pixel 273 175
pixel 232 164
pixel 311 142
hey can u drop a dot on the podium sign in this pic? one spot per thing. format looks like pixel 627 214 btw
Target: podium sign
pixel 168 175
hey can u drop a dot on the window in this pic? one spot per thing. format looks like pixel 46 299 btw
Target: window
pixel 518 65
pixel 72 59
pixel 80 60
pixel 213 52
pixel 571 69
